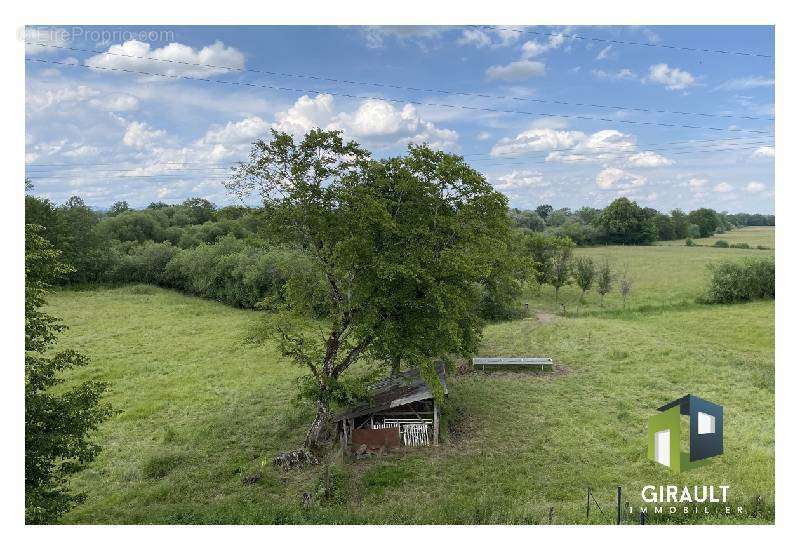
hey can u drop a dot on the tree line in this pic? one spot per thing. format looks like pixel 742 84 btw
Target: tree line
pixel 625 222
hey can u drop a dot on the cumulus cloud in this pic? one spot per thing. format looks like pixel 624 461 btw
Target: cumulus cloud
pixel 618 179
pixel 648 159
pixel 43 99
pixel 746 83
pixel 696 183
pixel 622 74
pixel 723 187
pixel 134 55
pixel 375 122
pixel 376 37
pixel 520 180
pixel 532 48
pixel 764 152
pixel 755 187
pixel 516 70
pixel 493 37
pixel 246 130
pixel 672 78
pixel 572 146
pixel 141 135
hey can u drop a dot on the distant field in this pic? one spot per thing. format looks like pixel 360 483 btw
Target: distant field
pixel 754 236
pixel 200 410
pixel 661 275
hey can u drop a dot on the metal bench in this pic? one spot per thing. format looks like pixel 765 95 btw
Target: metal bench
pixel 543 363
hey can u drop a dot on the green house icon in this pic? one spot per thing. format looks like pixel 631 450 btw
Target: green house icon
pixel 705 433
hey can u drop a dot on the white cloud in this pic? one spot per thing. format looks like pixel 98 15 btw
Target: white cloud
pixel 377 36
pixel 115 103
pixel 494 37
pixel 746 83
pixel 567 145
pixel 134 55
pixel 764 152
pixel 519 180
pixel 616 178
pixel 483 136
pixel 672 78
pixel 43 99
pixel 755 187
pixel 604 53
pixel 696 183
pixel 243 131
pixel 141 135
pixel 375 122
pixel 622 74
pixel 533 48
pixel 516 70
pixel 474 37
pixel 723 187
pixel 648 159
pixel 38 39
pixel 82 151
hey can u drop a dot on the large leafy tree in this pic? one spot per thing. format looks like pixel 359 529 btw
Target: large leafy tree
pixel 706 219
pixel 626 222
pixel 403 245
pixel 58 422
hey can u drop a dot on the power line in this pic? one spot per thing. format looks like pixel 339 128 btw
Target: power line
pixel 398 100
pixel 591 157
pixel 200 165
pixel 407 88
pixel 625 42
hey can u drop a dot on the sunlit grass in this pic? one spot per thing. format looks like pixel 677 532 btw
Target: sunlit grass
pixel 199 410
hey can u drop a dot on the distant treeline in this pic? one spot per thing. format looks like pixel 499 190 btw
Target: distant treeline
pixel 625 222
pixel 226 254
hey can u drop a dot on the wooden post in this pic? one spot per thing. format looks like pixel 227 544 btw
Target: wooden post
pixel 435 425
pixel 619 504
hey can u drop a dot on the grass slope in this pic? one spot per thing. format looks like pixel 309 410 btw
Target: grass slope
pixel 199 410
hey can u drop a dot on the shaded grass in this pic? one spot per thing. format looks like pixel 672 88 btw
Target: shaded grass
pixel 200 409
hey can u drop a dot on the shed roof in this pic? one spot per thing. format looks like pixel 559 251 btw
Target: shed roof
pixel 394 391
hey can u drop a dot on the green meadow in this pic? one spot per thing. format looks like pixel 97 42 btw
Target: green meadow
pixel 201 412
pixel 754 236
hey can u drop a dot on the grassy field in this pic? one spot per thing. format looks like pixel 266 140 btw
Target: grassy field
pixel 754 236
pixel 199 410
pixel 662 276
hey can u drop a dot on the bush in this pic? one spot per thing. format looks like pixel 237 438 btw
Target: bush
pixel 742 281
pixel 690 242
pixel 144 263
pixel 740 245
pixel 721 244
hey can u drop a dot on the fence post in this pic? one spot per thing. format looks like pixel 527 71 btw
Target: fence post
pixel 588 495
pixel 550 516
pixel 642 518
pixel 619 504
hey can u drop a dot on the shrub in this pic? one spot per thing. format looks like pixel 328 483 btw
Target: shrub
pixel 740 245
pixel 762 247
pixel 721 244
pixel 690 242
pixel 742 281
pixel 144 263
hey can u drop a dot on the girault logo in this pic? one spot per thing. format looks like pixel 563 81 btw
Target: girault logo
pixel 705 433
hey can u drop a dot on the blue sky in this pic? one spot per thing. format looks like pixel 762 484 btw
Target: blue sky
pixel 569 116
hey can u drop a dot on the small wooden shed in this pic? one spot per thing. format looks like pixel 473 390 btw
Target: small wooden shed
pixel 400 412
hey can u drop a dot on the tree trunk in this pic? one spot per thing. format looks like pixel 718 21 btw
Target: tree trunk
pixel 321 432
pixel 395 365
